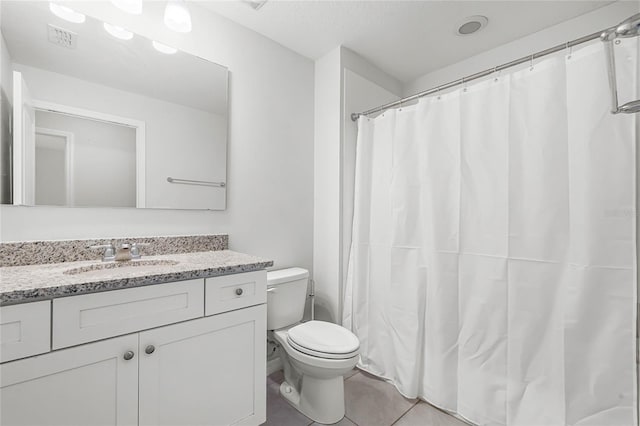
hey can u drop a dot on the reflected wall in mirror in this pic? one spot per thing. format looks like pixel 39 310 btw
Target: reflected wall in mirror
pixel 90 120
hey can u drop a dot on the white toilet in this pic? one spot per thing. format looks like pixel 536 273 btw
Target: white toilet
pixel 315 354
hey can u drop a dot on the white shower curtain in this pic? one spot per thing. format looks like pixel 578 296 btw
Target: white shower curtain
pixel 492 269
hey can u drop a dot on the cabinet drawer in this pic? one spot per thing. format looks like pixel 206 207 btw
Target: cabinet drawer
pixel 89 317
pixel 230 292
pixel 25 330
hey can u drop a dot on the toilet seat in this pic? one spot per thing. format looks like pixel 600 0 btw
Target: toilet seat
pixel 323 340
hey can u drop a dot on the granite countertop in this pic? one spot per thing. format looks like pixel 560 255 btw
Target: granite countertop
pixel 20 284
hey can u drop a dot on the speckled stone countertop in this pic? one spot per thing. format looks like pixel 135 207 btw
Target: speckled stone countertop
pixel 38 252
pixel 20 284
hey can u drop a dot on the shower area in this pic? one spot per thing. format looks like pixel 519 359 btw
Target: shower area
pixel 492 268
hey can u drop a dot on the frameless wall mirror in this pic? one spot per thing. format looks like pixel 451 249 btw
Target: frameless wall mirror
pixel 96 116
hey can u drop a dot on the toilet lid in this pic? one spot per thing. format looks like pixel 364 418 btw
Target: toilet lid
pixel 320 338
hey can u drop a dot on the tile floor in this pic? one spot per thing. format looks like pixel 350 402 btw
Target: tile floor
pixel 369 402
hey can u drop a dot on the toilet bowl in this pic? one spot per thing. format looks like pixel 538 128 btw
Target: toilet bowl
pixel 315 354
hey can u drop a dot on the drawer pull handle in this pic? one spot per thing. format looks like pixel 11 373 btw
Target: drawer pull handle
pixel 149 349
pixel 239 291
pixel 128 355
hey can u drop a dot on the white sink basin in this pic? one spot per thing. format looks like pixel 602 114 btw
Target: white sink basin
pixel 104 269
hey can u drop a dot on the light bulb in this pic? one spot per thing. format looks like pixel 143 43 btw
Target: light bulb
pixel 67 14
pixel 118 32
pixel 163 48
pixel 133 7
pixel 177 16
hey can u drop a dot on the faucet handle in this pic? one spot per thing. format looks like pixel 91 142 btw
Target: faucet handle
pixel 109 251
pixel 135 250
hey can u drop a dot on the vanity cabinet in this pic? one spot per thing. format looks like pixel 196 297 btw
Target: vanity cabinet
pixel 210 370
pixel 87 385
pixel 25 330
pixel 90 317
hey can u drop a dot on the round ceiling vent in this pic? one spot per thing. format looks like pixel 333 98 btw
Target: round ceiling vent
pixel 471 25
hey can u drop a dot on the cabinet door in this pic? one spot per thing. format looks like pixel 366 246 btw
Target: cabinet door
pixel 209 371
pixel 87 385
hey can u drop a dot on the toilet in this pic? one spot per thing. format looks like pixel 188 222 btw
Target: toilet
pixel 315 354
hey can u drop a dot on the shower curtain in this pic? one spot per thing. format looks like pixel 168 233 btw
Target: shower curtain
pixel 492 269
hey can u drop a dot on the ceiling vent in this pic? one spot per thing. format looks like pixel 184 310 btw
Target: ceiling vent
pixel 255 4
pixel 471 25
pixel 62 37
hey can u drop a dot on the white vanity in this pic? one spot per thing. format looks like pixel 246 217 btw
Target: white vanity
pixel 188 352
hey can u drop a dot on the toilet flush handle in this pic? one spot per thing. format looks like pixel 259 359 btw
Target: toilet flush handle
pixel 271 290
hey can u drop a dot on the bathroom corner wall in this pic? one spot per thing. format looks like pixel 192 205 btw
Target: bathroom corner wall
pixel 326 185
pixel 270 152
pixel 344 83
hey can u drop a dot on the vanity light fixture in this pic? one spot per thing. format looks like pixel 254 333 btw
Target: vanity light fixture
pixel 163 48
pixel 177 16
pixel 67 14
pixel 118 32
pixel 133 7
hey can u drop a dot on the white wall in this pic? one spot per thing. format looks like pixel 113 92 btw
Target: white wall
pixel 326 212
pixel 6 95
pixel 558 34
pixel 270 158
pixel 334 153
pixel 6 75
pixel 180 141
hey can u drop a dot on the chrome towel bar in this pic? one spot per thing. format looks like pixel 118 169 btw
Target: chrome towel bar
pixel 196 182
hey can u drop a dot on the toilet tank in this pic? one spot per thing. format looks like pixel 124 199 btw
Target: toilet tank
pixel 286 297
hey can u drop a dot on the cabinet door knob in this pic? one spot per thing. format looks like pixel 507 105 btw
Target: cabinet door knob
pixel 239 291
pixel 150 349
pixel 128 355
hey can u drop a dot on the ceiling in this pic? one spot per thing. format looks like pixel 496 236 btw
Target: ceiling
pixel 406 39
pixel 131 65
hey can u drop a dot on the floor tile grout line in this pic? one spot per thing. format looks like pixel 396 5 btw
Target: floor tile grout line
pixel 353 375
pixel 356 424
pixel 405 413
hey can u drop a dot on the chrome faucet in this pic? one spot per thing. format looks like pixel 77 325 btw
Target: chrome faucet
pixel 123 253
pixel 109 252
pixel 135 250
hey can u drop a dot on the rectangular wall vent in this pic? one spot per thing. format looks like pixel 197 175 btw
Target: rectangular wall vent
pixel 62 37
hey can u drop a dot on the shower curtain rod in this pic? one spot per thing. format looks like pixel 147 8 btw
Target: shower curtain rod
pixel 463 80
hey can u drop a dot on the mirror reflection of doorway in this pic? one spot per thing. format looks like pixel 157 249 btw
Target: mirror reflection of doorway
pixel 54 174
pixel 102 165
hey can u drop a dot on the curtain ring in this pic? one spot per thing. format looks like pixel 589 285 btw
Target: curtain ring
pixel 569 50
pixel 464 84
pixel 495 71
pixel 531 63
pixel 438 92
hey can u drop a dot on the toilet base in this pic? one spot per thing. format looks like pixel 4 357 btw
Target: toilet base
pixel 322 400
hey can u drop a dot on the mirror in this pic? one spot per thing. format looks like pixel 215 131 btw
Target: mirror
pixel 94 116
